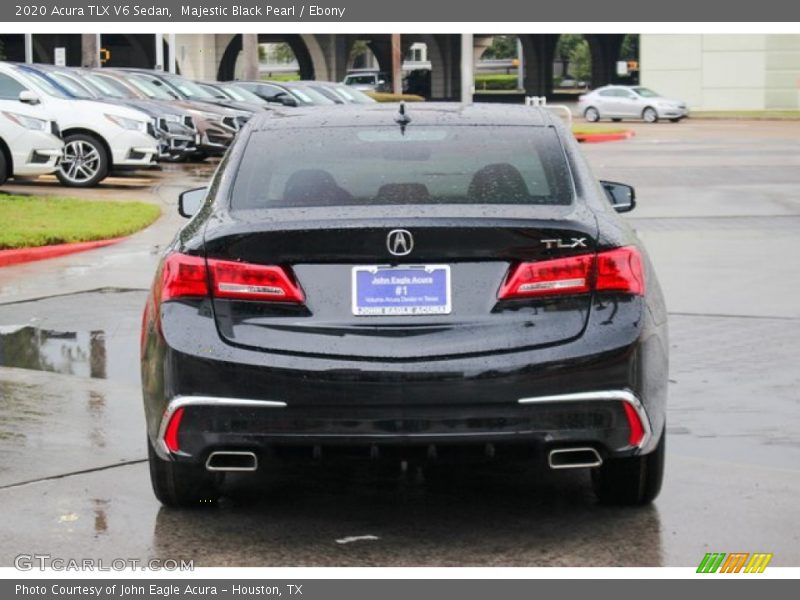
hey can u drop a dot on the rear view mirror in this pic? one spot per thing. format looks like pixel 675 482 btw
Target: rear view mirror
pixel 28 97
pixel 286 100
pixel 621 196
pixel 190 201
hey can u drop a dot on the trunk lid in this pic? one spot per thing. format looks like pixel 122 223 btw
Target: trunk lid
pixel 479 244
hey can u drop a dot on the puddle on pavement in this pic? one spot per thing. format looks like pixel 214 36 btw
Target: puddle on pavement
pixel 82 353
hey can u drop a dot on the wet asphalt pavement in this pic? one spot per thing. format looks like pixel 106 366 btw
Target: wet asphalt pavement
pixel 719 210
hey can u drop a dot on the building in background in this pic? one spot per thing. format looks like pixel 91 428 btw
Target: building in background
pixel 724 72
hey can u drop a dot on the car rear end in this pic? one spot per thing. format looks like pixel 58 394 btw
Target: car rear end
pixel 431 289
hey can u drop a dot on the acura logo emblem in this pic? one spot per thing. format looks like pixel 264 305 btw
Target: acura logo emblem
pixel 399 242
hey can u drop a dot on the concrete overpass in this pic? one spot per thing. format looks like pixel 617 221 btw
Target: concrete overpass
pixel 319 56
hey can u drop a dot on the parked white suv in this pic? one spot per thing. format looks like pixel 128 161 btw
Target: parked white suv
pixel 97 135
pixel 29 142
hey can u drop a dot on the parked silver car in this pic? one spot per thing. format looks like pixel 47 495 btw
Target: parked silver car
pixel 367 80
pixel 617 102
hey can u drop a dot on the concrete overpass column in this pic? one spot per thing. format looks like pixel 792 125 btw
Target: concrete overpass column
pixel 334 51
pixel 249 56
pixel 467 67
pixel 605 50
pixel 90 50
pixel 538 52
pixel 197 53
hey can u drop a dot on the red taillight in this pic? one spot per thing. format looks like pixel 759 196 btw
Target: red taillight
pixel 246 281
pixel 183 276
pixel 549 277
pixel 617 270
pixel 635 425
pixel 620 270
pixel 171 433
pixel 186 276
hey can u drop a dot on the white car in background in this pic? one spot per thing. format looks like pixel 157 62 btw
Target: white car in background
pixel 29 140
pixel 617 102
pixel 97 135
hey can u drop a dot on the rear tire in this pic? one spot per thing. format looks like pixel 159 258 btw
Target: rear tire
pixel 181 485
pixel 632 481
pixel 591 114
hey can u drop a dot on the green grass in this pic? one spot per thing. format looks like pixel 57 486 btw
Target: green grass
pixel 497 81
pixel 745 114
pixel 281 76
pixel 29 221
pixel 387 97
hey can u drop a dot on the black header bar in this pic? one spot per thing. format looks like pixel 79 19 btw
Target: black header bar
pixel 396 11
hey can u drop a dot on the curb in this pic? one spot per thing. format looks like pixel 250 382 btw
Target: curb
pixel 18 256
pixel 592 138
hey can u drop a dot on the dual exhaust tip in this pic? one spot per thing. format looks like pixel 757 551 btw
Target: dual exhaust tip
pixel 232 460
pixel 559 458
pixel 574 458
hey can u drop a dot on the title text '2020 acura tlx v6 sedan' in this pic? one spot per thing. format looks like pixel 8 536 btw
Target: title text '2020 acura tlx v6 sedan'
pixel 420 283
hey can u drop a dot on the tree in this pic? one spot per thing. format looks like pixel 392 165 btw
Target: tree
pixel 360 48
pixel 630 47
pixel 280 52
pixel 574 50
pixel 503 46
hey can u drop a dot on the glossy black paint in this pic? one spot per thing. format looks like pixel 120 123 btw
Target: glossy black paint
pixel 405 381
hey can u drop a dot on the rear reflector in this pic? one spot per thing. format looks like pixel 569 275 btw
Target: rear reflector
pixel 171 433
pixel 634 423
pixel 185 276
pixel 617 270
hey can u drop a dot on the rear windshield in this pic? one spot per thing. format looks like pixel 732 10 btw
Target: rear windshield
pixel 333 166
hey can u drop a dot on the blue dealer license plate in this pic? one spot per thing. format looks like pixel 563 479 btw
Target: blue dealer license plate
pixel 405 290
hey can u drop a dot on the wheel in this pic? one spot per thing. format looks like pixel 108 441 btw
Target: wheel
pixel 180 484
pixel 617 120
pixel 3 168
pixel 591 114
pixel 649 115
pixel 85 161
pixel 631 481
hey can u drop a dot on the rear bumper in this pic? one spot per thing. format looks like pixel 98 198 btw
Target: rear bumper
pixel 572 393
pixel 596 419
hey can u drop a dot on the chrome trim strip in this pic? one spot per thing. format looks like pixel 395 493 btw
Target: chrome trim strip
pixel 595 463
pixel 232 453
pixel 182 401
pixel 604 395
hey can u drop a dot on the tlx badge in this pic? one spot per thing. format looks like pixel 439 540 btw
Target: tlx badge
pixel 559 243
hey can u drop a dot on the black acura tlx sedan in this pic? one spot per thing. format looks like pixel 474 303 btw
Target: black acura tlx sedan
pixel 419 283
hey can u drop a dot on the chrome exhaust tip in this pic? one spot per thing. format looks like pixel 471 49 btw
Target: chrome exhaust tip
pixel 232 460
pixel 574 458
